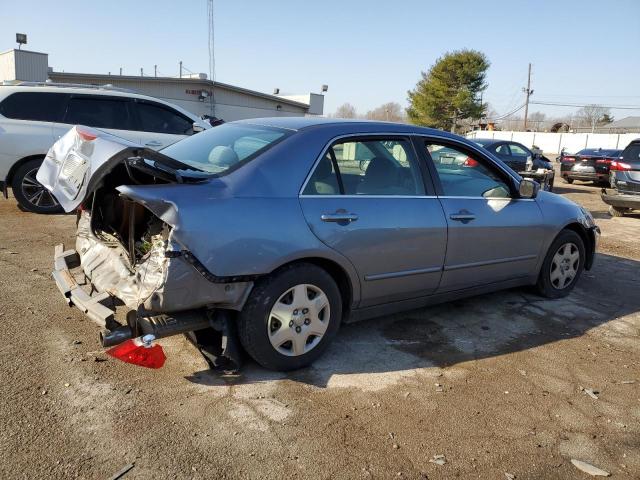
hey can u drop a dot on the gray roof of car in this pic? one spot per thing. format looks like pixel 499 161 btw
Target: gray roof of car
pixel 299 123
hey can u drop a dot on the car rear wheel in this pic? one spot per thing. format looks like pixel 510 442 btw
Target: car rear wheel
pixel 30 194
pixel 290 317
pixel 562 265
pixel 617 211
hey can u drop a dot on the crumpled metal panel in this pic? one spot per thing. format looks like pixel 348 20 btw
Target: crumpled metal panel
pixel 158 284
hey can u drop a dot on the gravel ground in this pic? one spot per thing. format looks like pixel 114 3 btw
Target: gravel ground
pixel 495 384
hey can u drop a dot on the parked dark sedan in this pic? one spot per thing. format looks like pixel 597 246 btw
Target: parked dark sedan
pixel 624 176
pixel 283 228
pixel 590 164
pixel 521 159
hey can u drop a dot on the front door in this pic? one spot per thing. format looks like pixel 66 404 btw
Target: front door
pixel 493 234
pixel 367 199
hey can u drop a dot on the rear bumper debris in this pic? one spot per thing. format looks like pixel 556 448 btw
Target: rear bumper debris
pixel 90 304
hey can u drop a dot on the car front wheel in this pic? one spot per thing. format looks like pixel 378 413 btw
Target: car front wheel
pixel 30 194
pixel 290 317
pixel 562 265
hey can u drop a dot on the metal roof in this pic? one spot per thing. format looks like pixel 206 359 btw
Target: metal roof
pixel 627 122
pixel 184 80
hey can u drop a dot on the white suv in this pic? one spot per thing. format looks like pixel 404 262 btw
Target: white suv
pixel 33 117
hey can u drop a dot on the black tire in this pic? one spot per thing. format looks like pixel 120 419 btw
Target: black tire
pixel 617 211
pixel 568 180
pixel 254 318
pixel 544 285
pixel 24 187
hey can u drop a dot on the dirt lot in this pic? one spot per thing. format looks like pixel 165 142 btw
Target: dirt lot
pixel 492 383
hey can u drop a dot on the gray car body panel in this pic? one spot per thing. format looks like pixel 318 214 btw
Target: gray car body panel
pixel 253 220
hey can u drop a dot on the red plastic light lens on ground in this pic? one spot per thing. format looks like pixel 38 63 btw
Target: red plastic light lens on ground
pixel 136 352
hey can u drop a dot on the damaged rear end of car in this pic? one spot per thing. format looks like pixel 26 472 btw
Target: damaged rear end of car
pixel 130 271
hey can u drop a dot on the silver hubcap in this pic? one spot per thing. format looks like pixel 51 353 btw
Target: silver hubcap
pixel 564 266
pixel 298 320
pixel 35 193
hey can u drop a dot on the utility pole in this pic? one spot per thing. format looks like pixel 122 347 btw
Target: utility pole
pixel 528 93
pixel 180 68
pixel 155 70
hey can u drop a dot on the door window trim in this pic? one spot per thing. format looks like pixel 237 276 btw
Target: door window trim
pixel 507 176
pixel 374 136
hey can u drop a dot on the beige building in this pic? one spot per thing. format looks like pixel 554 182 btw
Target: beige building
pixel 195 93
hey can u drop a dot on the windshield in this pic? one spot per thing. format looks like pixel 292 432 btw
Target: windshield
pixel 225 147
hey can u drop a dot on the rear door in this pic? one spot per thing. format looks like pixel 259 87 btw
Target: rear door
pixel 367 199
pixel 159 125
pixel 493 235
pixel 109 113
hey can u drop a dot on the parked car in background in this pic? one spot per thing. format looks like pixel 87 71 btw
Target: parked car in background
pixel 590 164
pixel 624 177
pixel 525 162
pixel 287 227
pixel 34 116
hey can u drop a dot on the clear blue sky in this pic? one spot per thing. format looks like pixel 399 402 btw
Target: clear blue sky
pixel 368 52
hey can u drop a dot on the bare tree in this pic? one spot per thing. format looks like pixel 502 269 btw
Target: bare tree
pixel 592 115
pixel 388 112
pixel 536 119
pixel 346 110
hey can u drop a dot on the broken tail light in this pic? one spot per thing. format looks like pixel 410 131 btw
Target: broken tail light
pixel 139 351
pixel 604 160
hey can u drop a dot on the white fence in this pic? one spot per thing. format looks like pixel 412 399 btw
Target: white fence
pixel 554 142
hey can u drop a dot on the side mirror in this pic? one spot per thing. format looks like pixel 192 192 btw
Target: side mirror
pixel 197 128
pixel 528 188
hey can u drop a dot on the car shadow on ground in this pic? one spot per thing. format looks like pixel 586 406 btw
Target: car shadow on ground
pixel 566 188
pixel 464 330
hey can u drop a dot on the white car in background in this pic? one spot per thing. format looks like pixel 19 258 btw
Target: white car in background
pixel 34 116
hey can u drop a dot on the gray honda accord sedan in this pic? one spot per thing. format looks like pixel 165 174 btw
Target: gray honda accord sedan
pixel 280 229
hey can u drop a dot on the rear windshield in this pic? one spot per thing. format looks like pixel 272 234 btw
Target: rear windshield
pixel 632 153
pixel 599 152
pixel 226 147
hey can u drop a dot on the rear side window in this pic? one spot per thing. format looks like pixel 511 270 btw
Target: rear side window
pixel 38 106
pixel 367 167
pixel 107 112
pixel 159 119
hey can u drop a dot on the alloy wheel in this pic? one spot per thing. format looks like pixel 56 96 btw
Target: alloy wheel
pixel 298 320
pixel 35 193
pixel 564 265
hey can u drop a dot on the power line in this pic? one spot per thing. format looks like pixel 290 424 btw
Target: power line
pixel 558 104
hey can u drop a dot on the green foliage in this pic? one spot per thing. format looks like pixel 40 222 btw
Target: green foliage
pixel 450 90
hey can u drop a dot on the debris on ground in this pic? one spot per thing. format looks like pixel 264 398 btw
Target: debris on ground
pixel 438 459
pixel 591 393
pixel 627 382
pixel 122 472
pixel 509 476
pixel 590 469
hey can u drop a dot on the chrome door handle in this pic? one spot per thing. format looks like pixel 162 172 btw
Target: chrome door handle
pixel 462 216
pixel 153 143
pixel 339 217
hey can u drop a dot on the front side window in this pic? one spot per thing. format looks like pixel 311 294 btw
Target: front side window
pixel 224 147
pixel 367 167
pixel 98 112
pixel 466 175
pixel 159 119
pixel 38 106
